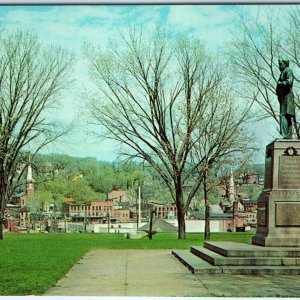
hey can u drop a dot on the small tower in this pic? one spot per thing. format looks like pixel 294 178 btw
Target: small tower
pixel 29 181
pixel 231 194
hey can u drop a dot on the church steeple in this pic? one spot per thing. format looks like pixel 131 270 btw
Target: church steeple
pixel 29 181
pixel 231 194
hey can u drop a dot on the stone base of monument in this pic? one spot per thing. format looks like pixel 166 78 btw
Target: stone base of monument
pixel 275 248
pixel 278 218
pixel 278 207
pixel 240 258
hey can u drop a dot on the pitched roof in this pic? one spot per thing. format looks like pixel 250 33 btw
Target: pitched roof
pixel 159 225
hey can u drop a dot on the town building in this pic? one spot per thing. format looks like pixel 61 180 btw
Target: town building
pixel 17 213
pixel 246 178
pixel 163 211
pixel 92 209
pixel 251 211
pixel 98 211
pixel 122 215
pixel 249 205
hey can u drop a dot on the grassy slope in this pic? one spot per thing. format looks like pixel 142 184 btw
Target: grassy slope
pixel 31 263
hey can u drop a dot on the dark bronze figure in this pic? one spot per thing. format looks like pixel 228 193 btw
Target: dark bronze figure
pixel 286 99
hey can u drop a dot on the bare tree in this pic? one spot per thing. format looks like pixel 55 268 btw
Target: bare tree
pixel 254 54
pixel 152 96
pixel 222 139
pixel 31 79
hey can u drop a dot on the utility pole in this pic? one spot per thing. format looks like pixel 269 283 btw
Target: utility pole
pixel 65 218
pixel 136 212
pixel 139 213
pixel 138 209
pixel 108 222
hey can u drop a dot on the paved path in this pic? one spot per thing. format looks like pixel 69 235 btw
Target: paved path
pixel 158 273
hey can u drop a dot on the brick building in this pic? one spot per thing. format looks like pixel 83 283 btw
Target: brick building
pixel 122 215
pixel 164 211
pixel 17 214
pixel 238 220
pixel 249 205
pixel 97 210
pixel 94 208
pixel 251 212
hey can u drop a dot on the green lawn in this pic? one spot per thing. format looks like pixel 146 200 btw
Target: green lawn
pixel 31 263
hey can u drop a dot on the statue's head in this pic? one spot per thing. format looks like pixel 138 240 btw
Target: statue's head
pixel 283 63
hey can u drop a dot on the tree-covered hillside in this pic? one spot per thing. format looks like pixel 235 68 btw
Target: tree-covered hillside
pixel 86 179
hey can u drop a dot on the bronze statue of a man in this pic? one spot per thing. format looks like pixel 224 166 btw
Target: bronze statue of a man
pixel 286 99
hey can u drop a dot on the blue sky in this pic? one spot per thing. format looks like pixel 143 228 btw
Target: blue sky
pixel 72 26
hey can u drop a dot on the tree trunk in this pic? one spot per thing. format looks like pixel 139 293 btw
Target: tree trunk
pixel 1 224
pixel 2 199
pixel 207 208
pixel 181 223
pixel 207 223
pixel 180 210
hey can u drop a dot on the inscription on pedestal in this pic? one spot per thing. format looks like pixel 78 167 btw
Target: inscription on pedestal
pixel 289 172
pixel 286 195
pixel 287 214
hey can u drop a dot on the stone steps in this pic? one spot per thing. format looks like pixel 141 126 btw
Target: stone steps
pixel 238 258
pixel 194 264
pixel 217 259
pixel 232 249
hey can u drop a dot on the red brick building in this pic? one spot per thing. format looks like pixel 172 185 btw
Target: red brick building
pixel 164 211
pixel 239 219
pixel 249 205
pixel 251 212
pixel 94 208
pixel 98 210
pixel 122 215
pixel 17 214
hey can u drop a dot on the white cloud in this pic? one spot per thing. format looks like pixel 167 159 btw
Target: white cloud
pixel 211 23
pixel 71 26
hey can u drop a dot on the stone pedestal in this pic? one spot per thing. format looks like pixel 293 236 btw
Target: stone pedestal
pixel 275 247
pixel 278 209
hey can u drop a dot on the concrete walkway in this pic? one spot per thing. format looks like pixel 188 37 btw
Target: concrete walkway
pixel 158 273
